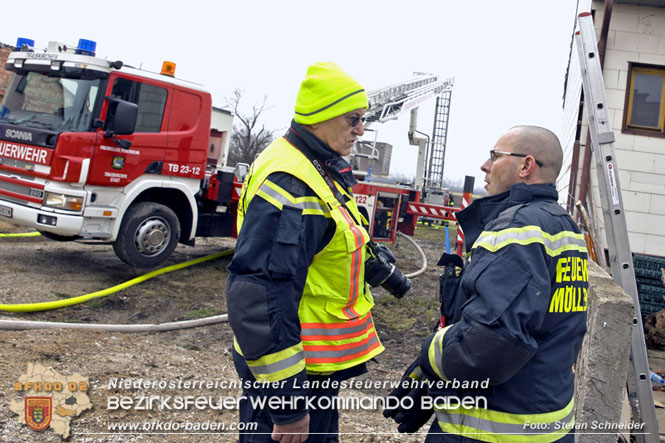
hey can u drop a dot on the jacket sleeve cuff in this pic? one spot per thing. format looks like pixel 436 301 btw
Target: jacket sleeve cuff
pixel 431 361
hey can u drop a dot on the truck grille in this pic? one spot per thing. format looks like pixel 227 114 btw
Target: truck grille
pixel 32 192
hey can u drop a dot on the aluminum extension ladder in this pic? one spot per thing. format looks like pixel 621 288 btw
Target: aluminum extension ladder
pixel 621 263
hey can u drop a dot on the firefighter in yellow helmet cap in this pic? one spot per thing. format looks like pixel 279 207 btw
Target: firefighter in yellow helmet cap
pixel 297 299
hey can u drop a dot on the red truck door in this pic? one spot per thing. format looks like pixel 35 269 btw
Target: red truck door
pixel 116 166
pixel 189 134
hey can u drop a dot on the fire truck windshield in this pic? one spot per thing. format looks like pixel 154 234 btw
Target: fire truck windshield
pixel 55 103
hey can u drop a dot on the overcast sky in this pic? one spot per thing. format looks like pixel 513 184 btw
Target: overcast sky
pixel 508 57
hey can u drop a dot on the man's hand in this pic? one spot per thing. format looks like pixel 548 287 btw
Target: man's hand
pixel 296 432
pixel 413 418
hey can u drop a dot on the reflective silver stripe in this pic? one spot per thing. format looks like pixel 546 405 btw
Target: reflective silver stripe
pixel 331 104
pixel 438 344
pixel 336 331
pixel 286 202
pixel 417 374
pixel 277 366
pixel 342 353
pixel 493 427
pixel 497 238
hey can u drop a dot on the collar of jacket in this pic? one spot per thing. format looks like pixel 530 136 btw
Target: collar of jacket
pixel 479 213
pixel 337 167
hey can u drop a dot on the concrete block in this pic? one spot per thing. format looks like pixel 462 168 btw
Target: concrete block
pixel 615 99
pixel 649 144
pixel 617 119
pixel 611 38
pixel 611 78
pixel 616 59
pixel 650 24
pixel 640 222
pixel 655 245
pixel 623 79
pixel 625 21
pixel 654 59
pixel 623 141
pixel 648 178
pixel 659 164
pixel 602 365
pixel 624 179
pixel 657 204
pixel 637 242
pixel 645 187
pixel 634 161
pixel 634 42
pixel 636 201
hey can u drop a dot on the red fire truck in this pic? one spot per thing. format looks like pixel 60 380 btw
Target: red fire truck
pixel 94 149
pixel 396 207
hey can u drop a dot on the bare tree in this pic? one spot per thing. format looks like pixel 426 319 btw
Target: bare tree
pixel 247 139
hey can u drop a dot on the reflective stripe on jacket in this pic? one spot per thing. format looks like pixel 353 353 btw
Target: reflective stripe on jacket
pixel 337 330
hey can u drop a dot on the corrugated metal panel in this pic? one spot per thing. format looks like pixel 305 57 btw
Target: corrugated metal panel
pixel 570 112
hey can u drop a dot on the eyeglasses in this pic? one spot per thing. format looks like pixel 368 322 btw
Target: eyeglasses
pixel 494 152
pixel 354 120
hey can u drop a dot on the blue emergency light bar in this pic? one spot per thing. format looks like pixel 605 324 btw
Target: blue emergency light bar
pixel 21 41
pixel 86 47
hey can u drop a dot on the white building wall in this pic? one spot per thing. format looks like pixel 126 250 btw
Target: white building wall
pixel 637 34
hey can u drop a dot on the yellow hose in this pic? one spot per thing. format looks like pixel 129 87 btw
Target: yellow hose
pixel 46 306
pixel 21 234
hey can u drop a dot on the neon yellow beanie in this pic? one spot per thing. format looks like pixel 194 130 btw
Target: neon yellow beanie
pixel 327 92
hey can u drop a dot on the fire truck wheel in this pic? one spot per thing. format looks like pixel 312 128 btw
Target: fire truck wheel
pixel 148 235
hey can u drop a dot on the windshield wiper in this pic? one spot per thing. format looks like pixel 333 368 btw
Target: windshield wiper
pixel 8 120
pixel 39 124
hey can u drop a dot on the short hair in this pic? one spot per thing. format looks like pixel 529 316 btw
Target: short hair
pixel 544 145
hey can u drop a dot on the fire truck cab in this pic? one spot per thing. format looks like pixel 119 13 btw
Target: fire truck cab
pixel 94 149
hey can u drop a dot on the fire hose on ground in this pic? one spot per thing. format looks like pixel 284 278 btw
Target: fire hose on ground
pixel 21 234
pixel 44 306
pixel 171 326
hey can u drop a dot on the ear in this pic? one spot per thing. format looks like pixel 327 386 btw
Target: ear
pixel 527 166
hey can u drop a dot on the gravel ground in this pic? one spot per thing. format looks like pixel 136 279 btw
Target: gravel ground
pixel 37 269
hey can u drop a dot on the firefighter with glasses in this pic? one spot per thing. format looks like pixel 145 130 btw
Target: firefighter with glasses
pixel 510 344
pixel 297 298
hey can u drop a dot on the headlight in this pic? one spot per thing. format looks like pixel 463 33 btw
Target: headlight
pixel 61 201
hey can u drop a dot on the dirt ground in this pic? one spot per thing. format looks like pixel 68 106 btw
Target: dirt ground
pixel 37 269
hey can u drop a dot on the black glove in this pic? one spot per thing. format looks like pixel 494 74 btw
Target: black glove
pixel 409 393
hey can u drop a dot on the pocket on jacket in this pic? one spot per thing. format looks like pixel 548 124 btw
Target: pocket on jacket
pixel 495 287
pixel 286 246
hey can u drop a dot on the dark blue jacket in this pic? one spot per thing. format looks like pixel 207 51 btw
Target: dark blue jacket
pixel 523 317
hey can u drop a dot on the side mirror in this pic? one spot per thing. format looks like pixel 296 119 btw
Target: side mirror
pixel 125 117
pixel 121 117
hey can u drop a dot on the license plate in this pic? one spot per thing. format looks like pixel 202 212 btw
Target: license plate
pixel 6 212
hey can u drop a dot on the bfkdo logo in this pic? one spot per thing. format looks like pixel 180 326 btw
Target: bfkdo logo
pixel 49 400
pixel 38 412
